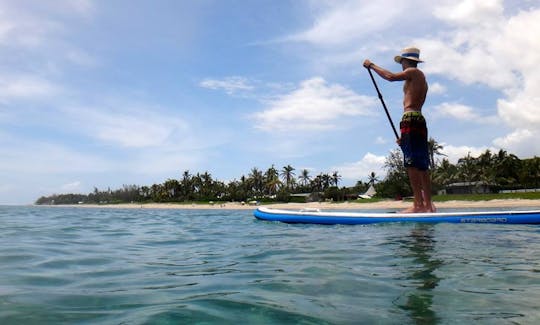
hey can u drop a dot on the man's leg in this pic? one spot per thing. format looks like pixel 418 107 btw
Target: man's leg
pixel 426 190
pixel 415 179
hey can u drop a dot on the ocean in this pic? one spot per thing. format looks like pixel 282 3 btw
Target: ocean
pixel 143 266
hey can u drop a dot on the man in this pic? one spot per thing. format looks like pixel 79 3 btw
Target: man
pixel 413 140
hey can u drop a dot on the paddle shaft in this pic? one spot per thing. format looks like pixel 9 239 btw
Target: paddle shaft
pixel 383 104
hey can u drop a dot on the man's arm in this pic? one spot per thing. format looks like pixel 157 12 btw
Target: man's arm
pixel 385 74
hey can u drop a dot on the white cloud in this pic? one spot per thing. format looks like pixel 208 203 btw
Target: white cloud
pixel 82 58
pixel 457 111
pixel 30 168
pixel 33 33
pixel 71 187
pixel 468 63
pixel 21 27
pixel 83 7
pixel 381 140
pixel 315 105
pixel 5 28
pixel 463 112
pixel 488 45
pixel 437 88
pixel 26 157
pixel 524 142
pixel 470 12
pixel 454 153
pixel 521 109
pixel 482 45
pixel 230 85
pixel 127 126
pixel 166 161
pixel 480 42
pixel 361 169
pixel 345 21
pixel 26 87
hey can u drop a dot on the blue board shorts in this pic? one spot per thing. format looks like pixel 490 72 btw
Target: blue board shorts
pixel 414 140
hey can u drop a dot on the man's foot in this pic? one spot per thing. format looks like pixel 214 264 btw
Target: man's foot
pixel 414 209
pixel 420 209
pixel 431 208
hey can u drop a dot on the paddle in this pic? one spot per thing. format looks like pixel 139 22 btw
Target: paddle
pixel 383 104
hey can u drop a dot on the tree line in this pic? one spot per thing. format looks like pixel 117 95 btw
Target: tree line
pixel 500 169
pixel 271 184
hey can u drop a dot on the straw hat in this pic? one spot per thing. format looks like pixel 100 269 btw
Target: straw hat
pixel 409 53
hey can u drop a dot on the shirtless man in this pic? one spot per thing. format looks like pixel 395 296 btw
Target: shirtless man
pixel 413 140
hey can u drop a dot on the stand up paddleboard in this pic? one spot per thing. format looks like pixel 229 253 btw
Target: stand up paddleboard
pixel 316 216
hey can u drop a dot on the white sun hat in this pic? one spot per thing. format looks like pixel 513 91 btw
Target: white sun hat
pixel 409 53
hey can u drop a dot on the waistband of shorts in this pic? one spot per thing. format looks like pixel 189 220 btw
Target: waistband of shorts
pixel 412 114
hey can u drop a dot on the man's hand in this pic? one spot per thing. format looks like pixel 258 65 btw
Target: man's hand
pixel 367 63
pixel 398 141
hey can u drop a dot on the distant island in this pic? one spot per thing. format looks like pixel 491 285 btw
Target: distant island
pixel 488 173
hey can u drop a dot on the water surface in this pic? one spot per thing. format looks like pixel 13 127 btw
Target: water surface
pixel 116 266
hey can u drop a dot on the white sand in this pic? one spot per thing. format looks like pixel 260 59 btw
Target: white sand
pixel 509 203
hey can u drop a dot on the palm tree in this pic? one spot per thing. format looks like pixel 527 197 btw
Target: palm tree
pixel 256 181
pixel 171 187
pixel 336 178
pixel 507 166
pixel 467 168
pixel 244 187
pixel 158 193
pixel 530 172
pixel 219 190
pixel 317 183
pixel 326 181
pixel 288 175
pixel 304 177
pixel 272 180
pixel 187 190
pixel 273 185
pixel 196 185
pixel 445 173
pixel 144 192
pixel 237 190
pixel 434 148
pixel 206 185
pixel 486 168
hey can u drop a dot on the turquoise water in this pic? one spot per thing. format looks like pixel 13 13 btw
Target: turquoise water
pixel 116 266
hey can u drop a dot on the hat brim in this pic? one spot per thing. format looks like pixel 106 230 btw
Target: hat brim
pixel 398 59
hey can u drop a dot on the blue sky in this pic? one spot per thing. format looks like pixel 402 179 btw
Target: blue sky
pixel 106 93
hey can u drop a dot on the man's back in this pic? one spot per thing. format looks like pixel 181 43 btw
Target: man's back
pixel 414 90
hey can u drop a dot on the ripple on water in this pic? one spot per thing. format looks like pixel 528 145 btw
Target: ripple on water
pixel 222 266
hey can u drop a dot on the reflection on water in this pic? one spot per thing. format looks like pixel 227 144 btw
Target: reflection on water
pixel 420 246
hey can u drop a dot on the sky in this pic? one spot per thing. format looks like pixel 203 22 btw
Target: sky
pixel 98 94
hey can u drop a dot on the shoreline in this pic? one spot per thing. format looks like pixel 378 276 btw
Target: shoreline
pixel 498 203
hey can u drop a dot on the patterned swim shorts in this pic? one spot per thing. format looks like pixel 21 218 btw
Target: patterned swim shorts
pixel 414 140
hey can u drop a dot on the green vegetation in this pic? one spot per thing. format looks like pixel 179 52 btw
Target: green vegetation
pixel 497 171
pixel 269 186
pixel 470 197
pixel 500 171
pixel 487 197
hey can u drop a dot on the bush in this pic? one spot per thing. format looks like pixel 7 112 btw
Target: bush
pixel 334 193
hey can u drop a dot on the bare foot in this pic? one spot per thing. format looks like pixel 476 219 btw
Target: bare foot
pixel 413 209
pixel 420 209
pixel 431 208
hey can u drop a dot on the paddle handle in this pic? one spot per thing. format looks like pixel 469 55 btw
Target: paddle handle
pixel 383 104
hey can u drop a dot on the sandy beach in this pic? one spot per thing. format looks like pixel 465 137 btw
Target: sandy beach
pixel 508 203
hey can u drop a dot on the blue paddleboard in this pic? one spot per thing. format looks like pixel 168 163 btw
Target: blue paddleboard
pixel 316 216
